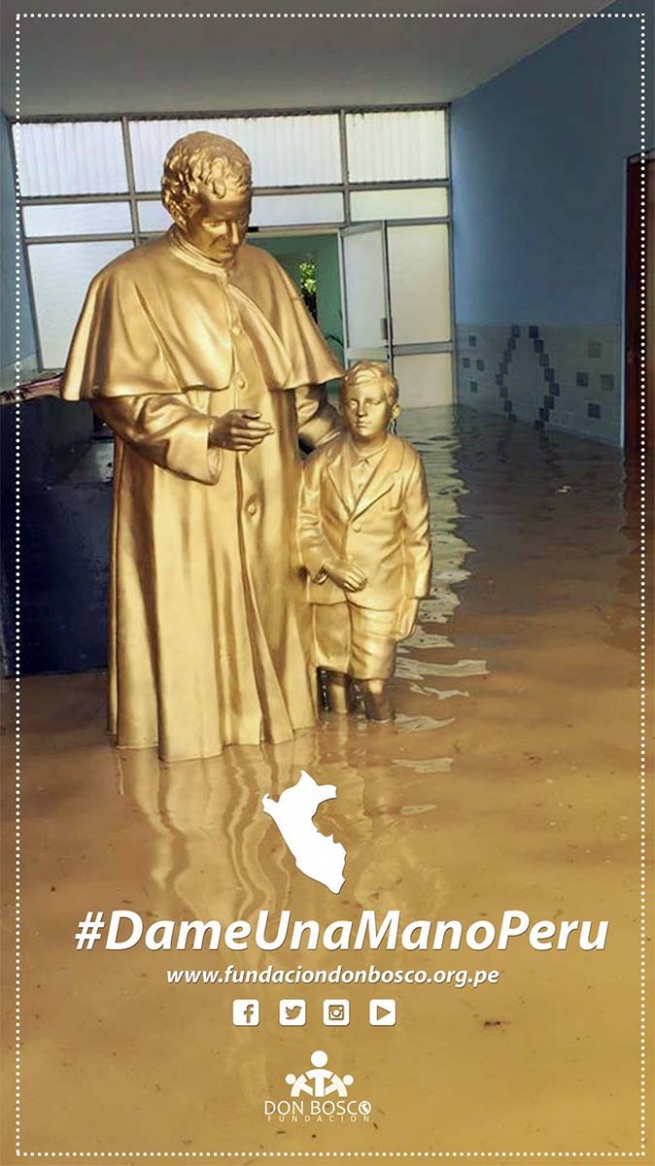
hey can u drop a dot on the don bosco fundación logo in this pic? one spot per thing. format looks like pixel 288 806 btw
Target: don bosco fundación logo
pixel 318 1095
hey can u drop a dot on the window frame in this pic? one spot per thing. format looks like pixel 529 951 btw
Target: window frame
pixel 135 236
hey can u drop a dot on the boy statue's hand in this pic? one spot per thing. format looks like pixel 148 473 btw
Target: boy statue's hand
pixel 407 614
pixel 345 574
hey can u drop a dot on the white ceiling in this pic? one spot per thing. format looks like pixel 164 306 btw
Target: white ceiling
pixel 87 65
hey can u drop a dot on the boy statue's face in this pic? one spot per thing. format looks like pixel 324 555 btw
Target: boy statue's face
pixel 367 411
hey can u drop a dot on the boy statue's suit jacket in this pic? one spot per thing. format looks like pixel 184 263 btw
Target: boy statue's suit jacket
pixel 385 531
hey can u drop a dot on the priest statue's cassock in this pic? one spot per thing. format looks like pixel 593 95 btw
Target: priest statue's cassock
pixel 210 642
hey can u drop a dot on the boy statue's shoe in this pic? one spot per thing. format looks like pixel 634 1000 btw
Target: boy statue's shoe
pixel 377 706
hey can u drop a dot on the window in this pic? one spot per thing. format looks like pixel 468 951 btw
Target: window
pixel 90 190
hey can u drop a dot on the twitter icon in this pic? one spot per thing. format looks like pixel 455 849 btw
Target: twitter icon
pixel 293 1012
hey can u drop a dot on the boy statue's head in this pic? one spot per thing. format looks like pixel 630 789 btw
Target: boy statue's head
pixel 369 401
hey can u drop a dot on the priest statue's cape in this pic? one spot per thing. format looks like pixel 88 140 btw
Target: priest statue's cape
pixel 210 642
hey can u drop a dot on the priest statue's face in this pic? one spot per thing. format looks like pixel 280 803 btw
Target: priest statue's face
pixel 218 226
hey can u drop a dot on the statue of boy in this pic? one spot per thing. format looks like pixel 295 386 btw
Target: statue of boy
pixel 198 352
pixel 365 541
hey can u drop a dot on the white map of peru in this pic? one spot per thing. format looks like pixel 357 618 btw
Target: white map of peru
pixel 316 854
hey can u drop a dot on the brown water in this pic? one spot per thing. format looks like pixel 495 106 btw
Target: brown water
pixel 510 780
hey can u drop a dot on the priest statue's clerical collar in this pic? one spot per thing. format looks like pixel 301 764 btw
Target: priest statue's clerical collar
pixel 186 250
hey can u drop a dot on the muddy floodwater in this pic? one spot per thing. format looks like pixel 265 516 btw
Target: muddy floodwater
pixel 509 782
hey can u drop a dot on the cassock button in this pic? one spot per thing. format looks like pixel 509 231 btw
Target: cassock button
pixel 236 330
pixel 356 526
pixel 252 506
pixel 240 382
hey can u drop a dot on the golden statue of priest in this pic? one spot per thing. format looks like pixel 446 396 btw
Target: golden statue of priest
pixel 198 352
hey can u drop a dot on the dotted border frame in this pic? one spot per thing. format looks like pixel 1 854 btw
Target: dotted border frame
pixel 643 625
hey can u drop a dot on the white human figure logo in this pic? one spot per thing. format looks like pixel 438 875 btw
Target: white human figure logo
pixel 319 1081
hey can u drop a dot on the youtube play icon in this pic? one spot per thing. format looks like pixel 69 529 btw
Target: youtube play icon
pixel 382 1012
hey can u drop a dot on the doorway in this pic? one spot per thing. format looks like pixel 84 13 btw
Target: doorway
pixel 378 291
pixel 398 308
pixel 312 262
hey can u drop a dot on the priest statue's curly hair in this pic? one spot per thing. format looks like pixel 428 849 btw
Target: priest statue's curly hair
pixel 202 160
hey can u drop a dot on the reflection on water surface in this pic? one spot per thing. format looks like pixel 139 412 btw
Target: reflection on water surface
pixel 509 780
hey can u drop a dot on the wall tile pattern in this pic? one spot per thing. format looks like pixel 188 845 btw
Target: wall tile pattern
pixel 556 377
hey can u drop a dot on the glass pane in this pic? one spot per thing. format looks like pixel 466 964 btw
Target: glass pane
pixel 294 209
pixel 391 147
pixel 268 210
pixel 153 216
pixel 421 203
pixel 420 283
pixel 61 273
pixel 425 380
pixel 78 218
pixel 71 158
pixel 284 151
pixel 363 261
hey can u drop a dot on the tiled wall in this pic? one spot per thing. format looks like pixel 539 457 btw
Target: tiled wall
pixel 555 377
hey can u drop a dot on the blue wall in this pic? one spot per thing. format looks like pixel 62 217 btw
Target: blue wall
pixel 538 175
pixel 538 171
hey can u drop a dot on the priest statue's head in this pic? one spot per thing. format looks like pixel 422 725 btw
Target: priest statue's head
pixel 207 189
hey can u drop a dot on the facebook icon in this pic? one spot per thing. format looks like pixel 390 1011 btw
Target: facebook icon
pixel 245 1012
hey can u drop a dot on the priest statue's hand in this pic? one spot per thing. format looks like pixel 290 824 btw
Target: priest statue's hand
pixel 239 430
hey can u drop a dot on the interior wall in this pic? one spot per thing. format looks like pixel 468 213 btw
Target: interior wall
pixel 27 349
pixel 538 179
